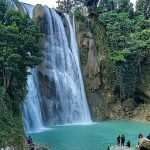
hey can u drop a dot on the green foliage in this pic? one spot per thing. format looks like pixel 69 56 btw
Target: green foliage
pixel 144 7
pixel 68 5
pixel 125 6
pixel 126 43
pixel 118 56
pixel 79 16
pixel 11 129
pixel 94 11
pixel 2 10
pixel 108 5
pixel 19 50
pixel 89 3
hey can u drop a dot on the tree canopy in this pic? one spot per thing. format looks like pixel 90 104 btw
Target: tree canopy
pixel 19 50
pixel 126 39
pixel 144 7
pixel 67 6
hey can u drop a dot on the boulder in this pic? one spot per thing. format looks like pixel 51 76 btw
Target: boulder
pixel 144 144
pixel 115 147
pixel 7 148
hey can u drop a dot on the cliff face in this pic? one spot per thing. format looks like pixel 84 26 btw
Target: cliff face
pixel 101 94
pixel 102 97
pixel 96 90
pixel 41 21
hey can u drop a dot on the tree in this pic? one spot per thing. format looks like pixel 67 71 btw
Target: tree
pixel 108 5
pixel 128 40
pixel 144 7
pixel 19 50
pixel 125 6
pixel 90 3
pixel 69 5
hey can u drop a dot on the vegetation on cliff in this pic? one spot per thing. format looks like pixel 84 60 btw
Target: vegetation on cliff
pixel 127 36
pixel 122 35
pixel 19 50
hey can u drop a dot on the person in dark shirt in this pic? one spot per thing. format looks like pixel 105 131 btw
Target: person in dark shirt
pixel 122 140
pixel 118 140
pixel 140 135
pixel 128 144
pixel 28 140
pixel 32 148
pixel 148 137
pixel 108 148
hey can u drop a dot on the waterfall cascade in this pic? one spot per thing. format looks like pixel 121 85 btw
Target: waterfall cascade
pixel 11 4
pixel 28 9
pixel 31 111
pixel 61 67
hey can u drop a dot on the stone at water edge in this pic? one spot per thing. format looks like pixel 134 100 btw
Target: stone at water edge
pixel 7 148
pixel 143 143
pixel 115 147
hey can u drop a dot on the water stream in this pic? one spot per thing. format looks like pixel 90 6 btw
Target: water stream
pixel 65 115
pixel 11 4
pixel 61 67
pixel 95 136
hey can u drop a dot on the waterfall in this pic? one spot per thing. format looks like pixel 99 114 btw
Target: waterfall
pixel 98 3
pixel 61 65
pixel 28 9
pixel 31 110
pixel 75 52
pixel 67 103
pixel 11 4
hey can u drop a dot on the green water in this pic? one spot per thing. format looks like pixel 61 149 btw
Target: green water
pixel 97 136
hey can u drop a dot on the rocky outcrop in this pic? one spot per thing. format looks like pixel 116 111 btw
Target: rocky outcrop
pixel 36 147
pixel 121 148
pixel 98 93
pixel 8 148
pixel 103 98
pixel 137 108
pixel 143 85
pixel 41 21
pixel 143 144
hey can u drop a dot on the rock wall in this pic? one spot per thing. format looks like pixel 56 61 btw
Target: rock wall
pixel 97 92
pixel 102 99
pixel 101 94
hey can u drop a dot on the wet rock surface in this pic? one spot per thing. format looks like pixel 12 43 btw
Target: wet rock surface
pixel 115 147
pixel 143 144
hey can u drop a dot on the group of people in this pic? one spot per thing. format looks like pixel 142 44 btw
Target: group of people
pixel 121 140
pixel 30 142
pixel 140 136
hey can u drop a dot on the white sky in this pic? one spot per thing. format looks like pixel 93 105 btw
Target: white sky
pixel 49 3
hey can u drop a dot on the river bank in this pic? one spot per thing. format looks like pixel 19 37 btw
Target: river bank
pixel 115 147
pixel 27 147
pixel 36 147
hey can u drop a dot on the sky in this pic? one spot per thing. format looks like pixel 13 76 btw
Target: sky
pixel 49 3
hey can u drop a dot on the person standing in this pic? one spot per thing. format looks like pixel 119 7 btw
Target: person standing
pixel 128 143
pixel 148 137
pixel 108 148
pixel 140 135
pixel 122 140
pixel 118 140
